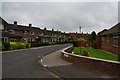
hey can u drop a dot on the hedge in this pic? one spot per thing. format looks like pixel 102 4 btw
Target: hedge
pixel 14 45
pixel 22 45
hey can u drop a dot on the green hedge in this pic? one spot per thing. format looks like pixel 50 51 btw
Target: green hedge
pixel 39 44
pixel 22 45
pixel 14 45
pixel 5 45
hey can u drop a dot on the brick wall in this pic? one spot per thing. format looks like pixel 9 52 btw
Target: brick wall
pixel 108 46
pixel 89 43
pixel 109 67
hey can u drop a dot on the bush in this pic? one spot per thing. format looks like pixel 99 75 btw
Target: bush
pixel 51 43
pixel 39 44
pixel 28 45
pixel 81 39
pixel 5 45
pixel 21 45
pixel 13 45
pixel 75 43
pixel 60 42
pixel 94 45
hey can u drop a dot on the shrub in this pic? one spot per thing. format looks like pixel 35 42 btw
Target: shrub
pixel 81 39
pixel 39 44
pixel 5 45
pixel 21 45
pixel 60 42
pixel 75 43
pixel 51 43
pixel 13 45
pixel 94 45
pixel 28 45
pixel 85 53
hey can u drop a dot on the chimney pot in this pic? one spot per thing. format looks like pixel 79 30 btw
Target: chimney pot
pixel 30 25
pixel 15 22
pixel 52 29
pixel 45 28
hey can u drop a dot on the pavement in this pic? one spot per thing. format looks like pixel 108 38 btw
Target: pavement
pixel 24 63
pixel 65 69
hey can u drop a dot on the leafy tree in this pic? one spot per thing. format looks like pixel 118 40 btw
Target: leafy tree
pixel 92 37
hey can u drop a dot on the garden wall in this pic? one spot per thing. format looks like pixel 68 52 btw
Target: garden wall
pixel 89 43
pixel 106 66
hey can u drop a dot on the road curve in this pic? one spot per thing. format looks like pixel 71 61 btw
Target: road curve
pixel 24 64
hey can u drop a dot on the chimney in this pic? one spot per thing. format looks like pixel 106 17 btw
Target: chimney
pixel 52 29
pixel 15 22
pixel 30 25
pixel 45 28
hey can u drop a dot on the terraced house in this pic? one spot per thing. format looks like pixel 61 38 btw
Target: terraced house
pixel 15 32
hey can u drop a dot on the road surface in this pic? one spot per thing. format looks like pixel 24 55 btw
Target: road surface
pixel 24 64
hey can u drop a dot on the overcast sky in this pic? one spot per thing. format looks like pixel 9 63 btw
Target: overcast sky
pixel 63 16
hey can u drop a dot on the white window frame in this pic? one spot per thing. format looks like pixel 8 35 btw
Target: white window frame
pixel 13 40
pixel 32 39
pixel 116 37
pixel 25 39
pixel 32 33
pixel 12 31
pixel 2 26
pixel 5 38
pixel 24 32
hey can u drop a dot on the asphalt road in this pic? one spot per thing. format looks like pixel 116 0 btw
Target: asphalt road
pixel 24 64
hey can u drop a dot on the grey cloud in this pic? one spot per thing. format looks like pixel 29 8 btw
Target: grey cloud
pixel 62 15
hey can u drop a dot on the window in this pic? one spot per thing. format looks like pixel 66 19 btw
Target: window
pixel 103 40
pixel 25 39
pixel 24 32
pixel 5 39
pixel 41 34
pixel 116 41
pixel 11 31
pixel 55 35
pixel 31 33
pixel 32 40
pixel 1 26
pixel 13 40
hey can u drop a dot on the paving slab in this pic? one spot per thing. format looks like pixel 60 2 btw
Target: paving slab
pixel 54 59
pixel 70 70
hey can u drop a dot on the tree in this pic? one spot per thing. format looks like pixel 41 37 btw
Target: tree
pixel 92 37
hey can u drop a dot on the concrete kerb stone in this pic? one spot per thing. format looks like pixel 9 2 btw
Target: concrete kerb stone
pixel 40 61
pixel 26 49
pixel 63 51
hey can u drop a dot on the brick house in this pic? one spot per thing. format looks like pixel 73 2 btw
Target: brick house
pixel 110 39
pixel 15 32
pixel 75 36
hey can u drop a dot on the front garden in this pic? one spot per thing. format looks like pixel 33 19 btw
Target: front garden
pixel 96 53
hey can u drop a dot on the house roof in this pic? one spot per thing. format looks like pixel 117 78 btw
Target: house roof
pixel 7 34
pixel 113 30
pixel 23 28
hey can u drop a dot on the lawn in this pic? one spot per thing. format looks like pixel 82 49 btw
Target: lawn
pixel 96 53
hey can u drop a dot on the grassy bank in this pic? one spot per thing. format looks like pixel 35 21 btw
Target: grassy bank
pixel 96 53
